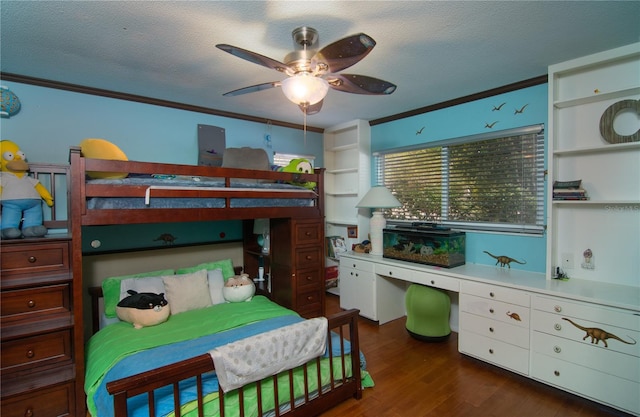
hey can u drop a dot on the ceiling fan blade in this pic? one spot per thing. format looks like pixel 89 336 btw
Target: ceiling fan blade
pixel 253 57
pixel 253 88
pixel 311 109
pixel 345 52
pixel 359 84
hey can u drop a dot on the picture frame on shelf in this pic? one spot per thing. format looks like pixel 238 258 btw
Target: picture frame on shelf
pixel 352 232
pixel 336 246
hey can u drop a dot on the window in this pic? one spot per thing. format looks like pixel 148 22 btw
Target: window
pixel 483 182
pixel 283 159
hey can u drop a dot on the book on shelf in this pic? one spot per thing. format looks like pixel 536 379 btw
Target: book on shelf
pixel 569 190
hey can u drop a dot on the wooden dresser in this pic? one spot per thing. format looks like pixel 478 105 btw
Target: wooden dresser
pixel 37 324
pixel 297 265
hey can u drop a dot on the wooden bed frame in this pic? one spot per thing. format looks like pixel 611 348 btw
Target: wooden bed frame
pixel 344 323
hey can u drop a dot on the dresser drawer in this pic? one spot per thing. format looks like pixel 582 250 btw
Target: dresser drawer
pixel 513 314
pixel 38 350
pixel 496 292
pixel 598 314
pixel 309 279
pixel 518 336
pixel 309 302
pixel 307 233
pixel 51 401
pixel 600 386
pixel 494 351
pixel 18 304
pixel 603 360
pixel 558 325
pixel 34 258
pixel 308 257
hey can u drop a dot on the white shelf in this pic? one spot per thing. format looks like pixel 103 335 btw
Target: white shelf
pixel 597 202
pixel 596 97
pixel 342 193
pixel 341 171
pixel 344 222
pixel 598 149
pixel 343 147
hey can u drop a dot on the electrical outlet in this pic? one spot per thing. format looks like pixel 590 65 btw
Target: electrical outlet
pixel 567 261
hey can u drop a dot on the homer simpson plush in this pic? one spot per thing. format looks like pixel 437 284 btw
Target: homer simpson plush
pixel 20 195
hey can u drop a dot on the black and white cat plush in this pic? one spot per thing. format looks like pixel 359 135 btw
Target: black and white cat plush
pixel 143 309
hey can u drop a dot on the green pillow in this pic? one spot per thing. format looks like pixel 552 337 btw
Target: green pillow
pixel 111 289
pixel 226 265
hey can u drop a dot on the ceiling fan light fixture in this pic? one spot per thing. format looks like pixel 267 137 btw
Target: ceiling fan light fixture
pixel 305 89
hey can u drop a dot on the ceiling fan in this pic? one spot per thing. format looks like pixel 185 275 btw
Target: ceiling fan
pixel 311 72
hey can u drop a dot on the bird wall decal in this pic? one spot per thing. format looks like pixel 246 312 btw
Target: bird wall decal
pixel 521 109
pixel 490 125
pixel 419 132
pixel 497 108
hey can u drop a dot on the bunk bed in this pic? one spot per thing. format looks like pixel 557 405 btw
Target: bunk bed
pixel 157 193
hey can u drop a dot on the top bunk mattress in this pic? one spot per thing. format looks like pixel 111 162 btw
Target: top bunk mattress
pixel 184 183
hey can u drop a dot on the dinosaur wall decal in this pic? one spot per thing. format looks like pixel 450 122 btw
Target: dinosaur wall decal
pixel 504 260
pixel 597 334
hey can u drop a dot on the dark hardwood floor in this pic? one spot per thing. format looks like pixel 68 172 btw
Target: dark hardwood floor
pixel 416 379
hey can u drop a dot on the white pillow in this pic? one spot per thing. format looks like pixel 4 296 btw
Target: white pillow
pixel 146 284
pixel 186 292
pixel 216 284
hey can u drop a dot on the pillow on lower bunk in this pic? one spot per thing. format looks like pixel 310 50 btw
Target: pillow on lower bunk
pixel 111 289
pixel 187 291
pixel 103 149
pixel 216 285
pixel 226 265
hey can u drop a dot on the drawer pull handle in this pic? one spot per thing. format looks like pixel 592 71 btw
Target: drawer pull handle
pixel 557 349
pixel 557 326
pixel 308 257
pixel 309 278
pixel 432 282
pixel 307 233
pixel 390 273
pixel 491 351
pixel 491 294
pixel 557 309
pixel 31 304
pixel 30 354
pixel 491 329
pixel 491 310
pixel 310 298
pixel 28 412
pixel 556 373
pixel 32 259
pixel 354 265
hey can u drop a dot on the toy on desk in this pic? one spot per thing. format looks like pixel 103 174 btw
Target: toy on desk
pixel 301 166
pixel 20 195
pixel 504 260
pixel 364 247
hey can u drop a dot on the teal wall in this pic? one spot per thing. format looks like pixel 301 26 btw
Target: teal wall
pixel 52 120
pixel 470 119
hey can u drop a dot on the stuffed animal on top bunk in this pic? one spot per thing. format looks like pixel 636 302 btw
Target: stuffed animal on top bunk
pixel 302 166
pixel 20 195
pixel 238 288
pixel 143 309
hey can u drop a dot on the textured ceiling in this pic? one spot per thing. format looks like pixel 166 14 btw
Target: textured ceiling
pixel 433 51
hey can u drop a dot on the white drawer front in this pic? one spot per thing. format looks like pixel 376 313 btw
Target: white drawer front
pixel 603 360
pixel 555 325
pixel 605 388
pixel 495 329
pixel 496 310
pixel 357 264
pixel 437 281
pixel 626 319
pixel 499 353
pixel 495 292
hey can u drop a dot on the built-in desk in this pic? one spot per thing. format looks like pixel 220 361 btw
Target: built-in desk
pixel 518 320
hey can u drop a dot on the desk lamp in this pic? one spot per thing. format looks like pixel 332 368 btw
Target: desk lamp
pixel 377 198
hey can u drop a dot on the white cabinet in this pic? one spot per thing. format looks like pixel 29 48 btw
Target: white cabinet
pixel 347 159
pixel 589 350
pixel 358 287
pixel 494 325
pixel 580 93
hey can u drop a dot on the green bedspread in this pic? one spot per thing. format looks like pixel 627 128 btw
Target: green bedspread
pixel 119 340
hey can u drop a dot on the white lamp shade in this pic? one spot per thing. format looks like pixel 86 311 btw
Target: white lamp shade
pixel 305 89
pixel 378 197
